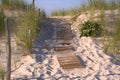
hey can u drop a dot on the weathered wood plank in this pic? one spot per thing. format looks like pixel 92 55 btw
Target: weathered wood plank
pixel 69 62
pixel 62 48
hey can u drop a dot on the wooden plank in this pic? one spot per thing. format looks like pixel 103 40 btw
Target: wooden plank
pixel 73 66
pixel 64 38
pixel 62 59
pixel 69 62
pixel 63 43
pixel 62 48
pixel 64 33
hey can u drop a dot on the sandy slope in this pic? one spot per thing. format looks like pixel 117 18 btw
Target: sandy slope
pixel 98 66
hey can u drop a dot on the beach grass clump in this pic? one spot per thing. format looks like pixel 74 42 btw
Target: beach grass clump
pixel 2 23
pixel 42 14
pixel 91 5
pixel 113 45
pixel 103 4
pixel 27 27
pixel 2 74
pixel 90 28
pixel 61 12
pixel 66 12
pixel 14 4
pixel 73 11
pixel 97 4
pixel 26 24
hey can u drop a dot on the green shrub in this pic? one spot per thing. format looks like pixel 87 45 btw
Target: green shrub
pixel 90 29
pixel 2 23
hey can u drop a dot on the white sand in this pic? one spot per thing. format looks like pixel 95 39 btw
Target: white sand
pixel 98 66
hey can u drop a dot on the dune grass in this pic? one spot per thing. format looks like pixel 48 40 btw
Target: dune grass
pixel 64 12
pixel 113 44
pixel 27 27
pixel 25 24
pixel 92 5
pixel 103 4
pixel 42 14
pixel 2 24
pixel 2 74
pixel 14 4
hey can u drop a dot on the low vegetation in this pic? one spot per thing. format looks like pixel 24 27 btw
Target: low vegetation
pixel 92 5
pixel 113 44
pixel 14 4
pixel 116 38
pixel 103 4
pixel 64 12
pixel 2 24
pixel 2 74
pixel 92 29
pixel 27 26
pixel 42 15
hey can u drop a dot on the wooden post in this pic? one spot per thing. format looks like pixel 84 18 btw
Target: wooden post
pixel 39 13
pixel 33 4
pixel 8 74
pixel 29 33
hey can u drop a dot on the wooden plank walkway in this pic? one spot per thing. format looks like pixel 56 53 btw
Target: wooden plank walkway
pixel 63 48
pixel 68 60
pixel 65 55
